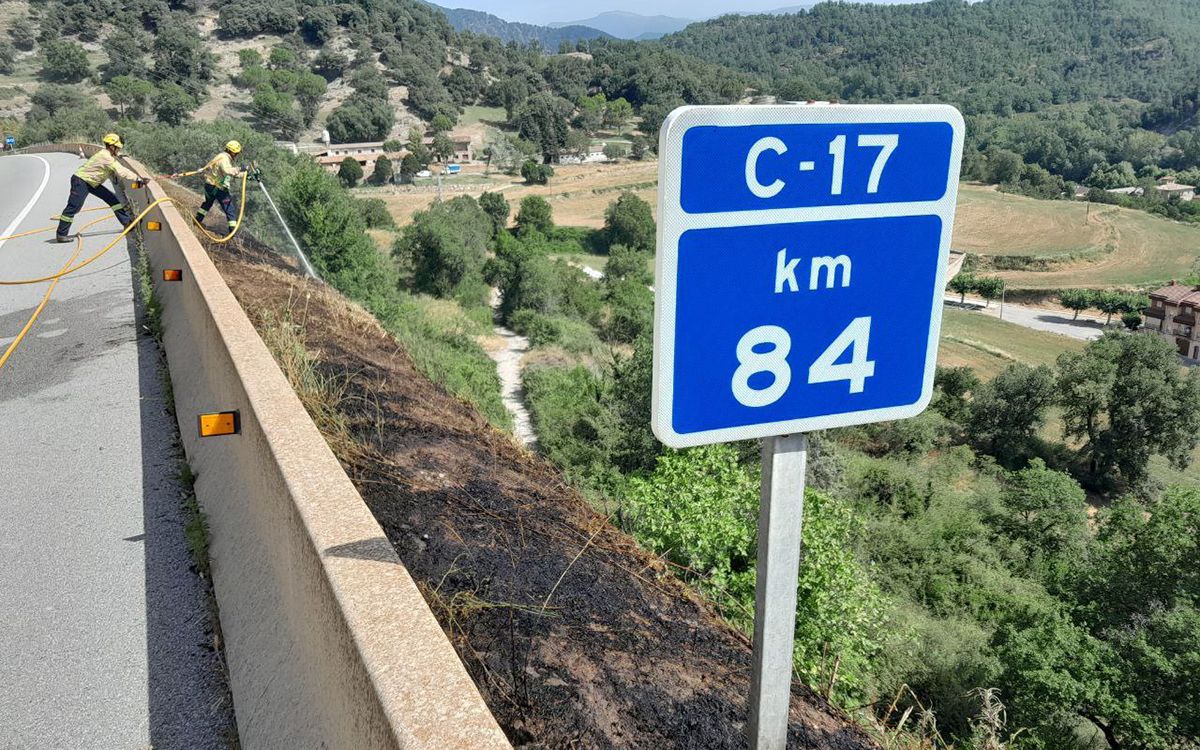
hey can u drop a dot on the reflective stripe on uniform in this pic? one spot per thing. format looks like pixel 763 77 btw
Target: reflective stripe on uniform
pixel 201 211
pixel 117 206
pixel 67 219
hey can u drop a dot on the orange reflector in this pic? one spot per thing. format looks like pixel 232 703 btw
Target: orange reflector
pixel 172 274
pixel 221 423
pixel 154 226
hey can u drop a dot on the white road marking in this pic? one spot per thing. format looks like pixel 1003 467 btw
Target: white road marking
pixel 12 228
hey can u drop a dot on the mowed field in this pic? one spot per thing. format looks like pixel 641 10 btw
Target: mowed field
pixel 1112 246
pixel 988 345
pixel 1104 246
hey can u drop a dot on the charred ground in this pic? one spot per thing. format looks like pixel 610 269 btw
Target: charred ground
pixel 576 637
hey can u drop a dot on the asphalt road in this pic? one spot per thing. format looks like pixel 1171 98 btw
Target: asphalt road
pixel 105 637
pixel 1086 328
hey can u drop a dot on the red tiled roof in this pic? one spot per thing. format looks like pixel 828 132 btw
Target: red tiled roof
pixel 1178 294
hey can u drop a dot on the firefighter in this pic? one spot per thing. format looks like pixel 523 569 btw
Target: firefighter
pixel 90 179
pixel 217 174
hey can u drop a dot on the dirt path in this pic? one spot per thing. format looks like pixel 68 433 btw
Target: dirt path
pixel 512 388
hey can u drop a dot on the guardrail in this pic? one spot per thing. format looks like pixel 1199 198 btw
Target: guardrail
pixel 328 641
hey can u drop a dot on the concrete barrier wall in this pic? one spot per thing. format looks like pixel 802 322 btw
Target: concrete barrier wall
pixel 328 640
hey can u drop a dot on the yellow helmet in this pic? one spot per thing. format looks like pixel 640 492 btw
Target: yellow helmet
pixel 233 147
pixel 112 139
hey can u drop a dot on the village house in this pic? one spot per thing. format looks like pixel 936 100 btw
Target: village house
pixel 1172 315
pixel 366 154
pixel 1168 187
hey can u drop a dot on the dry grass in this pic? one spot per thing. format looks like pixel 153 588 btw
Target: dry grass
pixel 325 396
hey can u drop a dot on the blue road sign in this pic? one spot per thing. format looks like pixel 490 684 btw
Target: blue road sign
pixel 802 258
pixel 9 140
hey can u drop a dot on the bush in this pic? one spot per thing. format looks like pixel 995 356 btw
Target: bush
pixel 541 330
pixel 536 174
pixel 631 311
pixel 629 221
pixel 350 172
pixel 446 246
pixel 360 118
pixel 374 213
pixel 65 61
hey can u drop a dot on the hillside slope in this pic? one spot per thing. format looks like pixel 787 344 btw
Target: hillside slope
pixel 1002 55
pixel 574 635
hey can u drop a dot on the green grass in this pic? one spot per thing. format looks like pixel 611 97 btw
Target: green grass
pixel 989 345
pixel 473 115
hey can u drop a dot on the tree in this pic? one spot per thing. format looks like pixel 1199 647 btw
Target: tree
pixel 443 147
pixel 360 118
pixel 350 172
pixel 951 387
pixel 1004 167
pixel 989 287
pixel 447 246
pixel 591 113
pixel 632 311
pixel 318 25
pixel 383 171
pixel 637 149
pixel 308 89
pixel 181 57
pixel 441 124
pixel 126 50
pixel 276 112
pixel 1110 303
pixel 629 221
pixel 1077 300
pixel 536 174
pixel 173 104
pixel 129 95
pixel 627 263
pixel 8 58
pixel 614 151
pixel 23 34
pixel 963 283
pixel 330 65
pixel 1131 320
pixel 1006 413
pixel 495 205
pixel 409 166
pixel 393 145
pixel 534 215
pixel 1125 398
pixel 542 119
pixel 65 61
pixel 617 113
pixel 1046 511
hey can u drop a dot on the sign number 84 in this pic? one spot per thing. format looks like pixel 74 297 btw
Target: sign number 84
pixel 825 369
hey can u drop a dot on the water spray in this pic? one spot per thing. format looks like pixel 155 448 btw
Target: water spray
pixel 300 253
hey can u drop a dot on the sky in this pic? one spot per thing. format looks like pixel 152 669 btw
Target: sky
pixel 549 11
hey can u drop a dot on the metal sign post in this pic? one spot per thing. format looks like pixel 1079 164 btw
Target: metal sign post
pixel 780 514
pixel 802 254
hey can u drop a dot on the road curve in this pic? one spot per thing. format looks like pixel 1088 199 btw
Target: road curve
pixel 105 636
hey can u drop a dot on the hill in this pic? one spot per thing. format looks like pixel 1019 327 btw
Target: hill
pixel 549 37
pixel 995 55
pixel 625 25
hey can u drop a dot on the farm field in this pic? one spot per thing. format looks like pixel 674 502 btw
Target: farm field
pixel 1145 249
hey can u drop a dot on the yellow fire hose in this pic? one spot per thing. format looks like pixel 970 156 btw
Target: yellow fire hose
pixel 69 268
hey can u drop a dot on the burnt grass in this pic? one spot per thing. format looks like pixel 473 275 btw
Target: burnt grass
pixel 575 636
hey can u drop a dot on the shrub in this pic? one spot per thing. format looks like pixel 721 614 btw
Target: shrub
pixel 536 174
